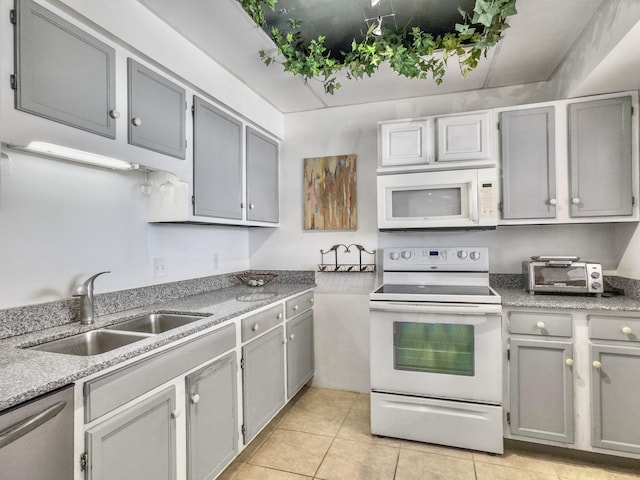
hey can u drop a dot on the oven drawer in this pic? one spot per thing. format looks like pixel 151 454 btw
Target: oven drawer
pixel 541 324
pixel 299 304
pixel 624 329
pixel 261 322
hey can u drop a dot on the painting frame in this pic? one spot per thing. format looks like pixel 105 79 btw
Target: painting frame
pixel 330 193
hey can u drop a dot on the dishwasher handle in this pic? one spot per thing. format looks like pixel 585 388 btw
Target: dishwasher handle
pixel 20 429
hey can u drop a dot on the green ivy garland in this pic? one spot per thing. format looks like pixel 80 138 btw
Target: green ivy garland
pixel 409 53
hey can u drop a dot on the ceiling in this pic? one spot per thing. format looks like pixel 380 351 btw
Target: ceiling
pixel 532 49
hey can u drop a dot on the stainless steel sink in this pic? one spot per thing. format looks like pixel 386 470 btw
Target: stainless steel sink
pixel 89 343
pixel 155 323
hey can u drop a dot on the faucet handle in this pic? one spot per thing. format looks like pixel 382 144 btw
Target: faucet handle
pixel 87 286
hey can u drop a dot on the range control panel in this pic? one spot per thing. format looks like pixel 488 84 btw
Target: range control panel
pixel 475 259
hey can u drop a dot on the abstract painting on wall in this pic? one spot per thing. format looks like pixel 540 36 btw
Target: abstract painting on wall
pixel 330 193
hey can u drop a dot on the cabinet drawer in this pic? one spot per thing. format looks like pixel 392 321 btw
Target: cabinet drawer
pixel 299 304
pixel 625 329
pixel 119 387
pixel 261 322
pixel 542 324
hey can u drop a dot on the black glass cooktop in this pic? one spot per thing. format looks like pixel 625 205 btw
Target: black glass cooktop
pixel 461 290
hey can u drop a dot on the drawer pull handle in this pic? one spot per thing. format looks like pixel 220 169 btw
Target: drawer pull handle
pixel 553 201
pixel 279 316
pixel 114 114
pixel 627 330
pixel 295 307
pixel 137 121
pixel 195 398
pixel 292 336
pixel 311 301
pixel 540 325
pixel 597 364
pixel 175 413
pixel 569 362
pixel 575 200
pixel 255 327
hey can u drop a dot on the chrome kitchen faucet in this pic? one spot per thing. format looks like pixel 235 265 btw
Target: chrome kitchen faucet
pixel 85 292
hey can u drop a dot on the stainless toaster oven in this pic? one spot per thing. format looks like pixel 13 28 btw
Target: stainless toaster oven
pixel 561 274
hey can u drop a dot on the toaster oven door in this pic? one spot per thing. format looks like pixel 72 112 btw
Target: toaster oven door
pixel 572 277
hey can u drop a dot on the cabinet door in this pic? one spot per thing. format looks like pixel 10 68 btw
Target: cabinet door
pixel 615 398
pixel 139 442
pixel 262 178
pixel 541 390
pixel 463 137
pixel 156 112
pixel 212 418
pixel 263 381
pixel 600 158
pixel 217 162
pixel 404 143
pixel 527 140
pixel 300 362
pixel 63 73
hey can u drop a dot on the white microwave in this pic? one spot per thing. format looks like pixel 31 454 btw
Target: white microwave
pixel 442 199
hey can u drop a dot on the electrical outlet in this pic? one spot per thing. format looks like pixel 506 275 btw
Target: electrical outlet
pixel 215 265
pixel 160 267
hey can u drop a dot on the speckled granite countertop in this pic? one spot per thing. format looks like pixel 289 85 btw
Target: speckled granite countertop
pixel 25 374
pixel 517 297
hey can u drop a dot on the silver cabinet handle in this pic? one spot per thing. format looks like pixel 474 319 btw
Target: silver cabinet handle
pixel 175 413
pixel 279 316
pixel 252 206
pixel 195 398
pixel 295 308
pixel 137 121
pixel 255 327
pixel 575 200
pixel 114 114
pixel 20 429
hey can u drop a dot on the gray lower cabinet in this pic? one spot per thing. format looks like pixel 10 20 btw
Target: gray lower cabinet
pixel 541 389
pixel 156 112
pixel 262 178
pixel 217 162
pixel 600 167
pixel 63 73
pixel 615 398
pixel 139 442
pixel 263 381
pixel 300 353
pixel 212 418
pixel 527 139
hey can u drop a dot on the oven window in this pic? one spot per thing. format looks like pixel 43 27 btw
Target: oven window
pixel 434 347
pixel 571 276
pixel 427 202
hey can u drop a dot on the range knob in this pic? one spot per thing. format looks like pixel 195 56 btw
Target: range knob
pixel 595 275
pixel 394 255
pixel 406 254
pixel 474 255
pixel 596 285
pixel 462 254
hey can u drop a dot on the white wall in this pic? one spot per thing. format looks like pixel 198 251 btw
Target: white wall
pixel 60 223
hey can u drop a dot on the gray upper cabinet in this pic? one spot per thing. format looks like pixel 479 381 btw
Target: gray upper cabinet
pixel 263 381
pixel 262 178
pixel 217 159
pixel 615 398
pixel 62 73
pixel 541 389
pixel 527 139
pixel 600 158
pixel 212 418
pixel 156 112
pixel 139 442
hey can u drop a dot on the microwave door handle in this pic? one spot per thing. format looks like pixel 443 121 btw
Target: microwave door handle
pixel 474 199
pixel 20 429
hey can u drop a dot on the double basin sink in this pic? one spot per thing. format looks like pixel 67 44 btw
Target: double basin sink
pixel 115 336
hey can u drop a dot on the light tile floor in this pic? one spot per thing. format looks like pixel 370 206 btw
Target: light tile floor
pixel 324 434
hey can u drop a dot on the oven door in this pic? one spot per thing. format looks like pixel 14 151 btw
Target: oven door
pixel 450 351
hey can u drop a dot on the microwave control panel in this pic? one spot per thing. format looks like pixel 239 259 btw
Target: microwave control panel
pixel 487 197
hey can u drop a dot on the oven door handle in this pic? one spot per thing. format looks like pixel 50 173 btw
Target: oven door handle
pixel 424 307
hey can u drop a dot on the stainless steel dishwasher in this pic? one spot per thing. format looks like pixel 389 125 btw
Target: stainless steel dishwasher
pixel 36 438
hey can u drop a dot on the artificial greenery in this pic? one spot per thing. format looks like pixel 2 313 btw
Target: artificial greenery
pixel 411 53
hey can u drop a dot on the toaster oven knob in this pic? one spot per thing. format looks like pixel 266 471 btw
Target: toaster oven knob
pixel 595 274
pixel 474 255
pixel 596 285
pixel 462 254
pixel 406 255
